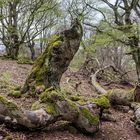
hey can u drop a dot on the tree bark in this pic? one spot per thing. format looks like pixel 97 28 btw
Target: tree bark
pixel 12 39
pixel 49 67
pixel 32 49
pixel 53 106
pixel 12 51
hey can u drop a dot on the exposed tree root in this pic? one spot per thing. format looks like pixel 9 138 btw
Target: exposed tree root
pixel 53 106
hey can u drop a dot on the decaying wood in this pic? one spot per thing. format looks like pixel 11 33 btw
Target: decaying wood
pixel 53 106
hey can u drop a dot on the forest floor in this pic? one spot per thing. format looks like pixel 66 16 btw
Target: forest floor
pixel 15 73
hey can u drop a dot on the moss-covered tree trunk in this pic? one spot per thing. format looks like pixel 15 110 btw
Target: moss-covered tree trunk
pixel 54 106
pixel 49 67
pixel 11 40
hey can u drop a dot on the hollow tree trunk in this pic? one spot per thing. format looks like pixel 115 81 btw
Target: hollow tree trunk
pixel 49 67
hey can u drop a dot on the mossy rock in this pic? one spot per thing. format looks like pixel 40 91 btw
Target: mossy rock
pixel 15 87
pixel 51 95
pixel 8 104
pixel 101 101
pixel 93 119
pixel 48 107
pixel 16 94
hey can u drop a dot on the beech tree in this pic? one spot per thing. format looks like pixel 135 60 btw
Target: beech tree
pixel 22 18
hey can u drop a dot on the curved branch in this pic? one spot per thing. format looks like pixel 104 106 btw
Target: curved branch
pixel 94 82
pixel 97 86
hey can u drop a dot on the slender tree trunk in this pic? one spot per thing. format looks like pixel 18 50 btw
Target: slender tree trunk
pixel 135 51
pixel 12 51
pixel 8 51
pixel 32 49
pixel 12 41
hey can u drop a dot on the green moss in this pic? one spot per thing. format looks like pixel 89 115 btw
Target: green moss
pixel 93 119
pixel 75 98
pixel 17 87
pixel 54 38
pixel 22 60
pixel 8 104
pixel 40 74
pixel 4 84
pixel 48 107
pixel 41 65
pixel 109 93
pixel 16 94
pixel 35 105
pixel 57 43
pixel 101 101
pixel 51 96
pixel 72 104
pixel 65 93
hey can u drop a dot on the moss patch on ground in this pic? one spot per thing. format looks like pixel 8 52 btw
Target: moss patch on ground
pixel 22 60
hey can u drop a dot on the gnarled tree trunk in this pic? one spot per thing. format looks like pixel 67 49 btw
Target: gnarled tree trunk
pixel 49 67
pixel 53 105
